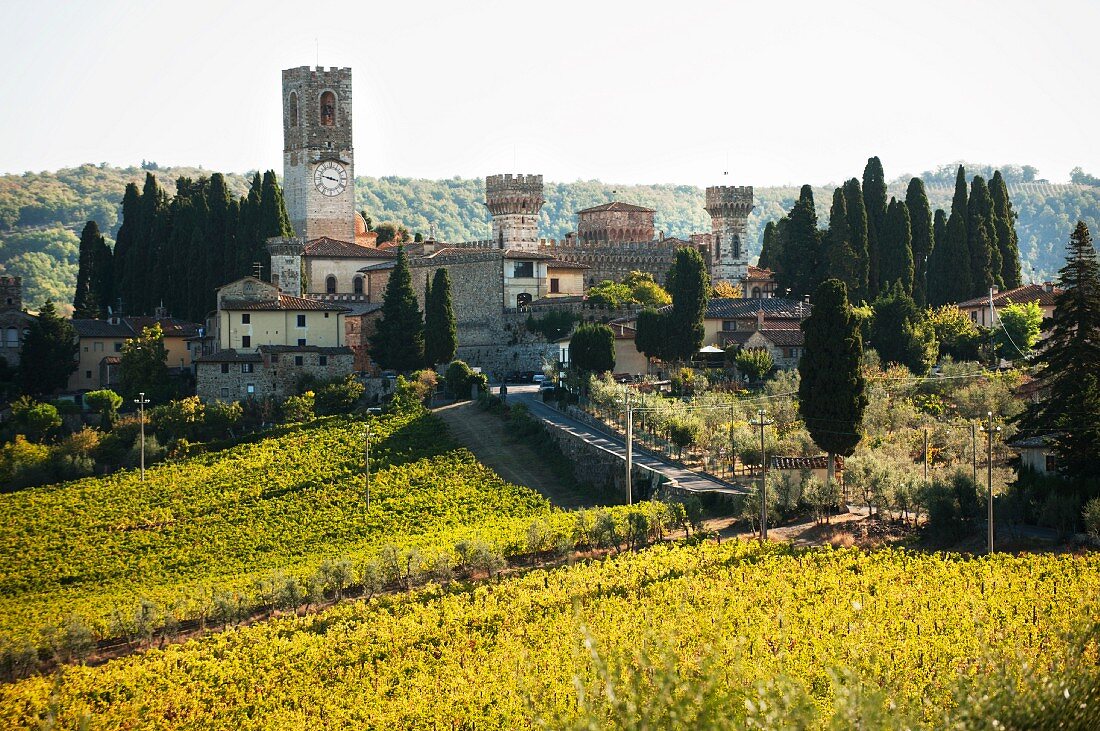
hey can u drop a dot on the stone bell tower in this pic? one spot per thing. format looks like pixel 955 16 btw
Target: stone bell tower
pixel 729 208
pixel 515 202
pixel 318 160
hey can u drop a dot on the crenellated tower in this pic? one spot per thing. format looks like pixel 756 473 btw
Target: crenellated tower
pixel 515 202
pixel 729 208
pixel 318 159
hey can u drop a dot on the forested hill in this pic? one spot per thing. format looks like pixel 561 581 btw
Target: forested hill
pixel 41 213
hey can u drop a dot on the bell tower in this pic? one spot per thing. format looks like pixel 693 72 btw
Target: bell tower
pixel 729 208
pixel 318 160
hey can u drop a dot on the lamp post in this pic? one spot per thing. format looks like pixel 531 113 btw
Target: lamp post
pixel 762 422
pixel 141 401
pixel 989 477
pixel 629 445
pixel 366 464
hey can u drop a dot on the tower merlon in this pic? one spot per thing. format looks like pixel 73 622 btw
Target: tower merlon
pixel 285 246
pixel 729 200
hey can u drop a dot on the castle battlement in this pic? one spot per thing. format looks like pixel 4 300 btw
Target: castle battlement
pixel 729 200
pixel 509 183
pixel 284 246
pixel 317 70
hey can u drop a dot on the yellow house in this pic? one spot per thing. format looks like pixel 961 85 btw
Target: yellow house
pixel 978 308
pixel 252 313
pixel 565 279
pixel 100 344
pixel 332 267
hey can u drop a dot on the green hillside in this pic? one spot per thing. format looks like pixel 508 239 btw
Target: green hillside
pixel 41 213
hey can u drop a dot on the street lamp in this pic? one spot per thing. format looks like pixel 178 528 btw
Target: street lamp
pixel 629 444
pixel 141 401
pixel 762 421
pixel 989 477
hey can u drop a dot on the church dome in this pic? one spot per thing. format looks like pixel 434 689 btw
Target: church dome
pixel 360 225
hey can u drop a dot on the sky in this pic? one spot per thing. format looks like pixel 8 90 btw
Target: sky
pixel 702 93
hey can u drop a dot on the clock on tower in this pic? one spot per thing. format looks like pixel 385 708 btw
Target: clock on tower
pixel 318 159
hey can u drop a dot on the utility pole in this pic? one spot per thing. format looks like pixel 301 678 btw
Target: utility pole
pixel 366 464
pixel 629 446
pixel 762 421
pixel 926 454
pixel 974 449
pixel 989 479
pixel 141 401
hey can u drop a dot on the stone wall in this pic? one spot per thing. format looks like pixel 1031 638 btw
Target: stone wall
pixel 616 260
pixel 615 226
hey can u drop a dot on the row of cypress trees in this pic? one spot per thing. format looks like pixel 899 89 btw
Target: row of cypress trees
pixel 177 250
pixel 874 242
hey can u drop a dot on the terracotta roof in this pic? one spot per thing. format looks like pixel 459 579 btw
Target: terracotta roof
pixel 820 462
pixel 617 206
pixel 102 329
pixel 1020 295
pixel 285 302
pixel 725 308
pixel 780 337
pixel 522 254
pixel 758 273
pixel 334 249
pixel 173 327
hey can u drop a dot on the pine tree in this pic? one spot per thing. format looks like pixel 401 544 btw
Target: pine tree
pixel 769 248
pixel 125 249
pixel 801 245
pixel 900 332
pixel 398 342
pixel 1069 361
pixel 1004 221
pixel 939 262
pixel 689 285
pixel 896 248
pixel 985 257
pixel 93 275
pixel 440 341
pixel 49 353
pixel 857 227
pixel 920 220
pixel 839 261
pixel 831 391
pixel 874 198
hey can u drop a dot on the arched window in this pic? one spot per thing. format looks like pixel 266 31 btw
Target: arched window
pixel 523 299
pixel 717 247
pixel 357 285
pixel 330 284
pixel 756 293
pixel 293 109
pixel 328 109
pixel 12 339
pixel 736 246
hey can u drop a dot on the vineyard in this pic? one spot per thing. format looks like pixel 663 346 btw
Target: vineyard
pixel 707 636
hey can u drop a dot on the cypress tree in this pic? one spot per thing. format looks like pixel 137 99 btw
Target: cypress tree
pixel 48 356
pixel 149 244
pixel 896 250
pixel 900 333
pixel 985 257
pixel 938 262
pixel 1069 361
pixel 920 221
pixel 874 199
pixel 124 248
pixel 768 247
pixel 220 227
pixel 273 220
pixel 398 342
pixel 857 228
pixel 831 391
pixel 801 245
pixel 1004 221
pixel 689 285
pixel 650 338
pixel 958 264
pixel 93 274
pixel 839 261
pixel 778 257
pixel 592 348
pixel 440 340
pixel 248 230
pixel 195 295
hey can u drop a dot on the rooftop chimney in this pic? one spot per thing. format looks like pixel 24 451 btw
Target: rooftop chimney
pixel 760 319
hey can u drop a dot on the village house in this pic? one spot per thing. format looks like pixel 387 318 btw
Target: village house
pixel 100 344
pixel 977 309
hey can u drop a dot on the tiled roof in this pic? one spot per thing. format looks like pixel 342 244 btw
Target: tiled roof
pixel 285 302
pixel 724 308
pixel 1036 442
pixel 617 206
pixel 521 254
pixel 758 273
pixel 820 462
pixel 780 337
pixel 379 266
pixel 173 327
pixel 102 329
pixel 357 309
pixel 1020 295
pixel 229 355
pixel 334 249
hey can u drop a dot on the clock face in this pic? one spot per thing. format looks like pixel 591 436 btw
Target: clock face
pixel 330 178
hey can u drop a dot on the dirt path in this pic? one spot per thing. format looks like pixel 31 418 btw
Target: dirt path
pixel 485 435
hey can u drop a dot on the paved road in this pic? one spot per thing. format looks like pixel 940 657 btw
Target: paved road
pixel 682 478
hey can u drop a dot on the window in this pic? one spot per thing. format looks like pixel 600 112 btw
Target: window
pixel 88 374
pixel 225 368
pixel 322 360
pixel 301 342
pixel 328 109
pixel 225 393
pixel 729 325
pixel 298 360
pixel 274 357
pixel 330 284
pixel 118 347
pixel 292 113
pixel 246 341
pixel 357 285
pixel 523 299
pixel 524 270
pixel 554 286
pixel 250 389
pixel 246 319
pixel 247 367
pixel 12 338
pixel 1052 463
pixel 756 293
pixel 301 320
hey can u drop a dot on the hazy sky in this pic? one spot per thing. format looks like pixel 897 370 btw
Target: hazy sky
pixel 639 92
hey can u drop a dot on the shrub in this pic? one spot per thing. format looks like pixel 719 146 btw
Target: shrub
pixel 106 403
pixel 299 408
pixel 338 397
pixel 36 420
pixel 460 377
pixel 1091 518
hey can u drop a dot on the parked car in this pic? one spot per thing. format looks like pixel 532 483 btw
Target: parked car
pixel 547 387
pixel 538 378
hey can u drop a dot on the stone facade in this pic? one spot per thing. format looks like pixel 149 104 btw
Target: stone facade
pixel 270 372
pixel 286 264
pixel 317 130
pixel 13 320
pixel 729 208
pixel 514 202
pixel 615 223
pixel 616 260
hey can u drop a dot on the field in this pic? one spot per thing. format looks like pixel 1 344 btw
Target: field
pixel 704 636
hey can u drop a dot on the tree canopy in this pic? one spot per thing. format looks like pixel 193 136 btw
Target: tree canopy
pixel 49 353
pixel 592 348
pixel 398 341
pixel 440 328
